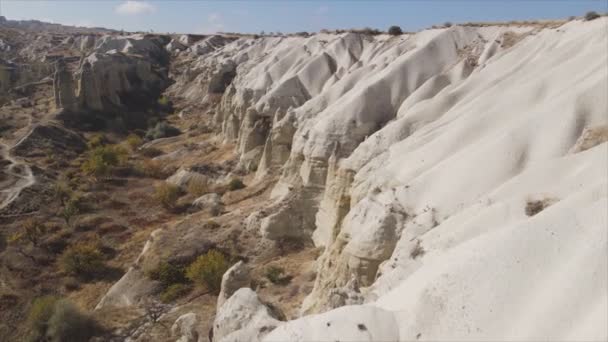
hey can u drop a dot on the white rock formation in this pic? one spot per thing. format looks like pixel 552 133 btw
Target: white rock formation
pixel 243 317
pixel 185 328
pixel 236 277
pixel 411 159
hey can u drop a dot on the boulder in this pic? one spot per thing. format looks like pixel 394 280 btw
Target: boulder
pixel 243 317
pixel 235 278
pixel 185 328
pixel 182 177
pixel 210 201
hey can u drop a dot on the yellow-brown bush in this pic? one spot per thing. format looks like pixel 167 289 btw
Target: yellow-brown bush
pixel 167 195
pixel 208 269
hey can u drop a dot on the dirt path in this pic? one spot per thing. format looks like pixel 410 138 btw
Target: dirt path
pixel 20 177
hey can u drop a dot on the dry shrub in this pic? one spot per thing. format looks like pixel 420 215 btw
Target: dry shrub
pixel 167 195
pixel 134 141
pixel 276 275
pixel 534 207
pixel 418 250
pixel 208 270
pixel 236 184
pixel 198 186
pixel 151 168
pixel 174 292
pixel 83 260
pixel 68 323
pixel 102 160
pixel 591 15
pixel 56 320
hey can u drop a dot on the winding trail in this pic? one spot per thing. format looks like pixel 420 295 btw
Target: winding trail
pixel 21 174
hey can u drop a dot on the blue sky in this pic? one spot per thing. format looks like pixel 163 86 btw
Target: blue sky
pixel 286 16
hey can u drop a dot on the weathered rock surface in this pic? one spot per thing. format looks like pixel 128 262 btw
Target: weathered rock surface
pixel 116 82
pixel 63 87
pixel 410 159
pixel 243 317
pixel 185 328
pixel 235 278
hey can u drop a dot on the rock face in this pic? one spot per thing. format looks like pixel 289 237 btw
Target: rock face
pixel 63 87
pixel 115 82
pixel 235 278
pixel 243 317
pixel 185 328
pixel 410 160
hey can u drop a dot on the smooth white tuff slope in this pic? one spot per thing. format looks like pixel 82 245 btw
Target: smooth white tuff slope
pixel 456 178
pixel 439 197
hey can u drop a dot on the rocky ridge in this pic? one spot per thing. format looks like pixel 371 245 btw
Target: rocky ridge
pixel 408 161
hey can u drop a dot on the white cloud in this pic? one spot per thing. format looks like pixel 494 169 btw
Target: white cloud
pixel 133 7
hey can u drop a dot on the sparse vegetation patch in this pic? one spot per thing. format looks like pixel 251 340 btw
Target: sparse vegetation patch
pixel 208 270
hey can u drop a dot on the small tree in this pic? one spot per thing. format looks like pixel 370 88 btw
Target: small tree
pixel 83 260
pixel 31 231
pixel 69 210
pixel 39 314
pixel 591 15
pixel 68 323
pixel 395 30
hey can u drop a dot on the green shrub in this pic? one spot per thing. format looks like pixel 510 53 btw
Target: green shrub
pixel 167 274
pixel 68 323
pixel 167 195
pixel 70 209
pixel 31 231
pixel 163 101
pixel 39 314
pixel 447 24
pixel 83 260
pixel 96 140
pixel 395 30
pixel 102 160
pixel 591 15
pixel 276 275
pixel 134 141
pixel 174 292
pixel 235 184
pixel 162 130
pixel 208 270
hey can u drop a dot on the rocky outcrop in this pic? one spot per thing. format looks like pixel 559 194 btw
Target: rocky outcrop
pixel 185 328
pixel 409 159
pixel 63 88
pixel 114 82
pixel 243 317
pixel 235 278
